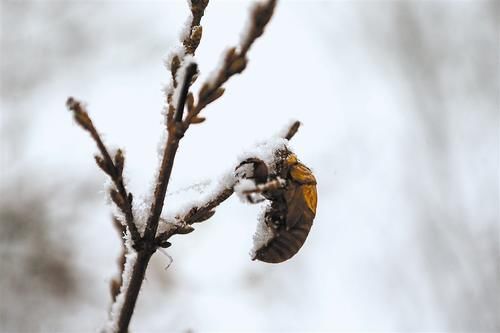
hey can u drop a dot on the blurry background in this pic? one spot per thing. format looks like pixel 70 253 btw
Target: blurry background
pixel 400 111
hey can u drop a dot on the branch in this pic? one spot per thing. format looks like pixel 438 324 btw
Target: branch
pixel 205 211
pixel 176 131
pixel 261 15
pixel 189 46
pixel 190 72
pixel 192 41
pixel 235 60
pixel 195 215
pixel 137 258
pixel 114 169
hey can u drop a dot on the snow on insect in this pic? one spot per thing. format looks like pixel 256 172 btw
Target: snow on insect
pixel 290 188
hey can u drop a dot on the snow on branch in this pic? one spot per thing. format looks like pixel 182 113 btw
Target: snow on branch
pixel 126 277
pixel 201 209
pixel 234 60
pixel 190 38
pixel 113 167
pixel 184 71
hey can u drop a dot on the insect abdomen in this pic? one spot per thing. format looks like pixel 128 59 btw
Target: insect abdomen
pixel 284 245
pixel 288 240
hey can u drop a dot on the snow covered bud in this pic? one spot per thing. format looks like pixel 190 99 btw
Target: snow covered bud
pixel 191 43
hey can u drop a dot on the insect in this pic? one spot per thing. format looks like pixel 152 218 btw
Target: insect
pixel 290 187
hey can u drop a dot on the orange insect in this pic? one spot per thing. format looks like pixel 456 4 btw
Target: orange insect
pixel 291 190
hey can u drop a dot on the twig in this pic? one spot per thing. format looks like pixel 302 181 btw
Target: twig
pixel 235 61
pixel 192 41
pixel 177 124
pixel 205 211
pixel 190 72
pixel 148 246
pixel 175 133
pixel 134 287
pixel 190 44
pixel 114 169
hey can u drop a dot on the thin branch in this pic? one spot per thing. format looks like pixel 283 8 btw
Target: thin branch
pixel 191 71
pixel 192 41
pixel 205 211
pixel 195 215
pixel 261 15
pixel 138 273
pixel 175 134
pixel 235 60
pixel 114 169
pixel 190 44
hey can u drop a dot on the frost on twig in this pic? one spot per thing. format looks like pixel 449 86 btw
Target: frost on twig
pixel 195 211
pixel 141 243
pixel 202 209
pixel 190 39
pixel 113 167
pixel 119 299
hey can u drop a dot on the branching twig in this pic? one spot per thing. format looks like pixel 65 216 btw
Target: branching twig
pixel 205 211
pixel 177 123
pixel 175 133
pixel 114 169
pixel 235 61
pixel 190 44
